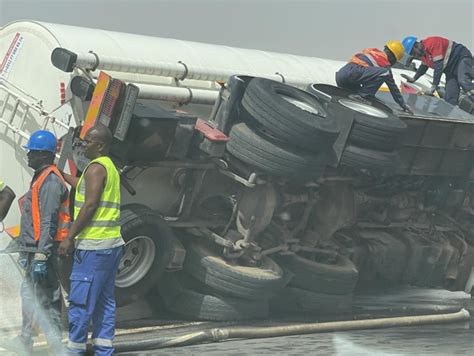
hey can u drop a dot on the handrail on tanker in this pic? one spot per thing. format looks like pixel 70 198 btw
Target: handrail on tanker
pixel 67 60
pixel 20 97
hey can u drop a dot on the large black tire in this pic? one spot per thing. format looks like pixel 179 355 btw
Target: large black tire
pixel 375 125
pixel 370 160
pixel 194 304
pixel 226 278
pixel 271 157
pixel 308 274
pixel 148 242
pixel 290 114
pixel 292 299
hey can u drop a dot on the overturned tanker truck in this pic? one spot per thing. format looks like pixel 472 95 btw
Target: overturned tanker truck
pixel 249 180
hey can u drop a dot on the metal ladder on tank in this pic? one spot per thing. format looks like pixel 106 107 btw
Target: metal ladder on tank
pixel 19 99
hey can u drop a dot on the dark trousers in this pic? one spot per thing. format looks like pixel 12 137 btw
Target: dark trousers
pixel 41 304
pixel 365 81
pixel 461 77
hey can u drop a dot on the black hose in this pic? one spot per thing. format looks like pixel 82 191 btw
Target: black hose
pixel 235 332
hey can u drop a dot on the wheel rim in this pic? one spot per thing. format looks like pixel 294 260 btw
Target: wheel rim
pixel 300 104
pixel 136 261
pixel 363 108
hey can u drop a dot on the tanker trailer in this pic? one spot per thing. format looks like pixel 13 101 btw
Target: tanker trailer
pixel 253 185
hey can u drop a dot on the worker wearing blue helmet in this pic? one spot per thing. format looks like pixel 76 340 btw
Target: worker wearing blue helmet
pixel 443 56
pixel 45 221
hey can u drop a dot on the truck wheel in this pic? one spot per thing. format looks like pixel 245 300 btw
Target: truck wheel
pixel 148 241
pixel 313 273
pixel 371 160
pixel 271 157
pixel 228 278
pixel 193 303
pixel 375 125
pixel 292 299
pixel 290 114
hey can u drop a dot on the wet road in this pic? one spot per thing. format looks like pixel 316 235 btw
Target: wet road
pixel 452 339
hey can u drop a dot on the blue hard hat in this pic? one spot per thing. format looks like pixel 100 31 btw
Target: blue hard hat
pixel 408 43
pixel 42 141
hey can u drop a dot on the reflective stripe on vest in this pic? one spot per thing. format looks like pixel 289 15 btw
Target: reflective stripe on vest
pixel 105 224
pixel 371 57
pixel 64 218
pixel 448 53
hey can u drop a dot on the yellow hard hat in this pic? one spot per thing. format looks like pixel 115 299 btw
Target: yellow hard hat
pixel 397 49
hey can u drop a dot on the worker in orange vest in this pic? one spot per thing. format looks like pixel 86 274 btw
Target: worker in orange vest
pixel 6 199
pixel 45 222
pixel 368 70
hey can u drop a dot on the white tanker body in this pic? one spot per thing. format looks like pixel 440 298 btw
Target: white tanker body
pixel 184 75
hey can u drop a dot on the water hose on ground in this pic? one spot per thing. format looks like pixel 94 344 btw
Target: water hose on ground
pixel 248 332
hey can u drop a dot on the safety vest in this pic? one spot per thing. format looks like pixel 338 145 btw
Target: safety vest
pixel 371 57
pixel 105 225
pixel 436 49
pixel 64 218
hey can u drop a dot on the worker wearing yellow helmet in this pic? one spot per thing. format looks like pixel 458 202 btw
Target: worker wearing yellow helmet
pixel 368 70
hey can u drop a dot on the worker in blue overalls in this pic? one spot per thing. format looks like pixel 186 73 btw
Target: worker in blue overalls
pixel 98 247
pixel 367 71
pixel 443 56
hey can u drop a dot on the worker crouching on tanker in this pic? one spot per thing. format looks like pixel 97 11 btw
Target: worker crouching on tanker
pixel 368 70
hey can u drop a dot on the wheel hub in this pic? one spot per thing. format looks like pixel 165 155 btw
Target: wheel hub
pixel 137 259
pixel 363 108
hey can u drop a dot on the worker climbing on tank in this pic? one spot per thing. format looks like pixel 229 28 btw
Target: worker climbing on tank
pixel 368 70
pixel 443 56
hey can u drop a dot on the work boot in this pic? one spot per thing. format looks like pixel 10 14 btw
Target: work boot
pixel 358 97
pixel 21 345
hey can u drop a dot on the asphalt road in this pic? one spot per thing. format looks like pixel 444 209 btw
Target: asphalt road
pixel 452 339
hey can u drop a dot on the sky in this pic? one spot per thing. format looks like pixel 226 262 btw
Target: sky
pixel 334 29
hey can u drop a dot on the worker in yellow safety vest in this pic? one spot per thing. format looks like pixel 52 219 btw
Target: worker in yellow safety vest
pixel 98 247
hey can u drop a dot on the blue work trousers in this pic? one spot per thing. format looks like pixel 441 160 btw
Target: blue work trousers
pixel 364 81
pixel 92 297
pixel 41 304
pixel 460 77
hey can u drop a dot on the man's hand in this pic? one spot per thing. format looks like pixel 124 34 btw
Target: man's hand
pixel 408 78
pixel 65 247
pixel 39 271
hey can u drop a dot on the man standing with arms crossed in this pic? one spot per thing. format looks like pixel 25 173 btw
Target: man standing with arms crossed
pixel 98 247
